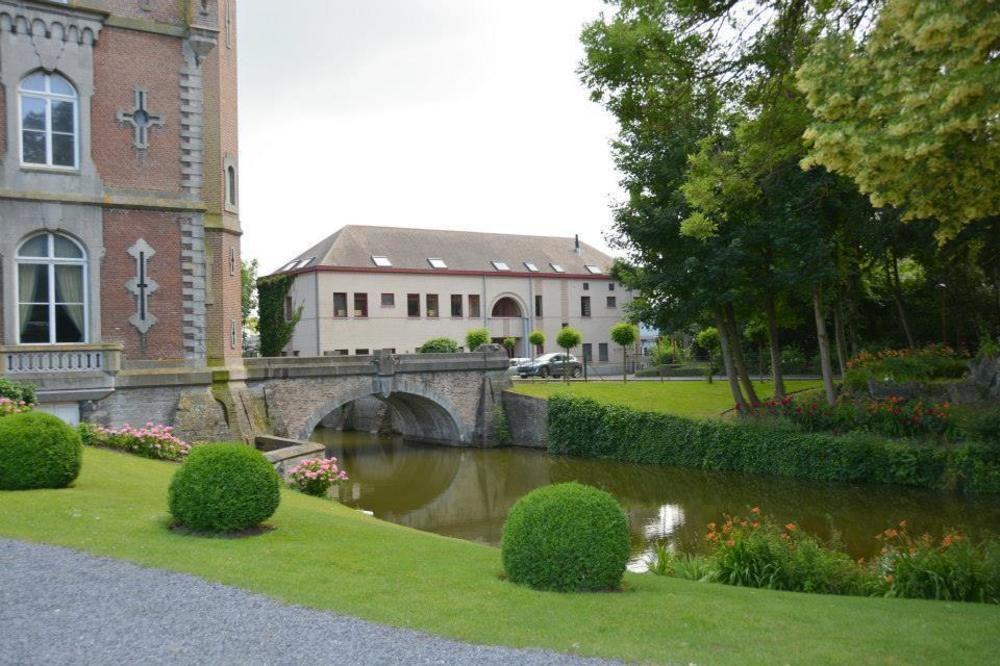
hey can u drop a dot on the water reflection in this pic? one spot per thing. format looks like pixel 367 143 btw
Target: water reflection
pixel 466 493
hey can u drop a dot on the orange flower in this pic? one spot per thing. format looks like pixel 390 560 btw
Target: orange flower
pixel 756 509
pixel 790 527
pixel 946 541
pixel 889 578
pixel 756 524
pixel 902 524
pixel 730 543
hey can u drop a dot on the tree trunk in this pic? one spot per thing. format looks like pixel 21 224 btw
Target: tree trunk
pixel 824 347
pixel 775 347
pixel 897 295
pixel 841 338
pixel 738 358
pixel 727 361
pixel 624 365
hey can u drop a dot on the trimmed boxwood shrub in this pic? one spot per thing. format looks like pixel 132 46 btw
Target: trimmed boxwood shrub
pixel 224 488
pixel 38 450
pixel 584 427
pixel 567 538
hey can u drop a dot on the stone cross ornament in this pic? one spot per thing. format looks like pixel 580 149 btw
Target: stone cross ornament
pixel 142 286
pixel 140 119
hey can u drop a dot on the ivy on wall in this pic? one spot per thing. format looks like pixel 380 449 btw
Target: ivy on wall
pixel 275 329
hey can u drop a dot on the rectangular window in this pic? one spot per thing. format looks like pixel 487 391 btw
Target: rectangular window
pixel 588 352
pixel 585 306
pixel 456 305
pixel 289 309
pixel 500 265
pixel 586 286
pixel 340 352
pixel 538 305
pixel 388 300
pixel 611 286
pixel 360 305
pixel 437 263
pixel 432 305
pixel 474 310
pixel 612 302
pixel 361 352
pixel 340 304
pixel 413 305
pixel 602 352
pixel 595 270
pixel 531 266
pixel 381 262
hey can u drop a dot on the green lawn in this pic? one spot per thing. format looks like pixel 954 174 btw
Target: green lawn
pixel 695 399
pixel 323 555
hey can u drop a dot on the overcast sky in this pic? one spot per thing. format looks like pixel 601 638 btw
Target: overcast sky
pixel 452 114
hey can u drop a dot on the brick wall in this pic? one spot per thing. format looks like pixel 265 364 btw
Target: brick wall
pixel 122 228
pixel 3 121
pixel 224 306
pixel 160 11
pixel 124 59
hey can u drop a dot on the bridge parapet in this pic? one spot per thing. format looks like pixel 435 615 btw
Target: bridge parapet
pixel 382 364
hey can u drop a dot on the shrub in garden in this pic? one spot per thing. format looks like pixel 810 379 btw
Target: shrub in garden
pixel 37 450
pixel 150 441
pixel 904 365
pixel 224 488
pixel 439 346
pixel 476 338
pixel 566 537
pixel 983 426
pixel 16 391
pixel 316 476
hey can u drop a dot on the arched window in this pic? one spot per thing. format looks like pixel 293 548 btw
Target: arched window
pixel 51 290
pixel 506 307
pixel 231 185
pixel 49 121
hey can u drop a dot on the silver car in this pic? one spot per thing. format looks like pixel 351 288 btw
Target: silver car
pixel 551 365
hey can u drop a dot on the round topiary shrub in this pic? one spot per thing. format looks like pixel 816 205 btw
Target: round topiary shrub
pixel 38 450
pixel 224 488
pixel 567 537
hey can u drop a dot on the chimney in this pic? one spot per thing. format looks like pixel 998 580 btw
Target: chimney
pixel 577 249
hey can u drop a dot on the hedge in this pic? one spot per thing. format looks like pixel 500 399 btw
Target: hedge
pixel 584 427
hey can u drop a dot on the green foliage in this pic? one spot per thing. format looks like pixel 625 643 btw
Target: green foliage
pixel 476 338
pixel 17 391
pixel 275 330
pixel 586 428
pixel 536 338
pixel 904 365
pixel 662 354
pixel 248 288
pixel 38 450
pixel 983 425
pixel 224 488
pixel 566 538
pixel 625 334
pixel 509 343
pixel 568 338
pixel 501 427
pixel 910 114
pixel 438 346
pixel 666 562
pixel 952 569
pixel 708 339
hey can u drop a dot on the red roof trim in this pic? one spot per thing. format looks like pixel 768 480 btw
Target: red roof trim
pixel 444 271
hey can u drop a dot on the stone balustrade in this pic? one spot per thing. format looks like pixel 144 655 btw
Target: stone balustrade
pixel 50 360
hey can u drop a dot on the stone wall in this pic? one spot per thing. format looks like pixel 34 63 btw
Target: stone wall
pixel 527 419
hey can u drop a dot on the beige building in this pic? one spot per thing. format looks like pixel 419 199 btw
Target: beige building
pixel 368 288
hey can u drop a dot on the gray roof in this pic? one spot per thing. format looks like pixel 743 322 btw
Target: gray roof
pixel 410 249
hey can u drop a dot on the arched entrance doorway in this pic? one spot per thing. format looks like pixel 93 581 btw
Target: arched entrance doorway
pixel 506 307
pixel 508 312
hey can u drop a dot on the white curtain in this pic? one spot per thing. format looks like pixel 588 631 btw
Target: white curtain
pixel 28 282
pixel 69 286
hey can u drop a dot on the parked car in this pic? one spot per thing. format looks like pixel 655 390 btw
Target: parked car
pixel 515 363
pixel 551 365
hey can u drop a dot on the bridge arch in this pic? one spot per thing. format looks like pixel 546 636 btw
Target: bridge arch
pixel 420 413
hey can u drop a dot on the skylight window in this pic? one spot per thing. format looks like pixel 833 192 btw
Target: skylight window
pixel 596 270
pixel 307 262
pixel 289 266
pixel 500 265
pixel 436 263
pixel 531 266
pixel 382 262
pixel 558 268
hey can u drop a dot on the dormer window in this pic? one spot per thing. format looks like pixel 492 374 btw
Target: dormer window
pixel 381 262
pixel 532 267
pixel 595 270
pixel 49 122
pixel 558 268
pixel 437 263
pixel 500 265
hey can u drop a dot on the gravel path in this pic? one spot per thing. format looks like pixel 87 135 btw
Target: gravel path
pixel 59 606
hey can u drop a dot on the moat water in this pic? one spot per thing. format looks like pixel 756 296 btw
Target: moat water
pixel 466 493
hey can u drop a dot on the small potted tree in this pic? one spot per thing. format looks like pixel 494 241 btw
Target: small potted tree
pixel 568 338
pixel 624 334
pixel 476 338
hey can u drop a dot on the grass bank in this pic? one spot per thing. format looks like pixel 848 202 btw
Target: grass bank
pixel 694 399
pixel 325 556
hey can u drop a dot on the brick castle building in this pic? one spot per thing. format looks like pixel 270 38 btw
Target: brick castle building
pixel 119 203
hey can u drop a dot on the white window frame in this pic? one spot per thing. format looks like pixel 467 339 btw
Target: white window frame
pixel 48 97
pixel 381 261
pixel 531 266
pixel 501 266
pixel 51 261
pixel 437 263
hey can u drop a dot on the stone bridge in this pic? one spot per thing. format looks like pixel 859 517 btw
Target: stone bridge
pixel 446 398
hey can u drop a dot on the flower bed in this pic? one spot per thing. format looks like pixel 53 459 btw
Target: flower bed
pixel 755 551
pixel 9 407
pixel 896 366
pixel 316 476
pixel 150 441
